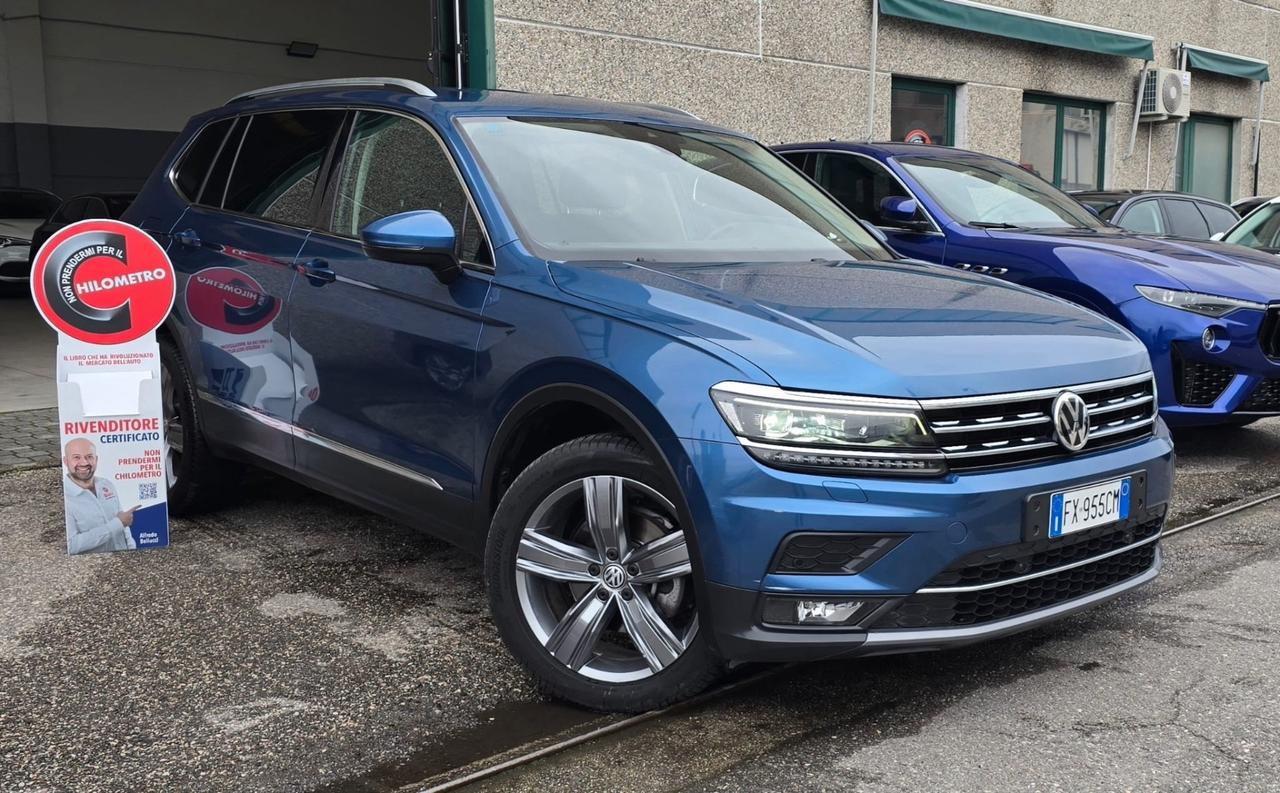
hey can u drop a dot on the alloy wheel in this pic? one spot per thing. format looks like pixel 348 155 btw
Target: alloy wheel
pixel 172 420
pixel 604 579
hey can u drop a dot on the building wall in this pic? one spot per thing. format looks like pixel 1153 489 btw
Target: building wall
pixel 788 71
pixel 91 92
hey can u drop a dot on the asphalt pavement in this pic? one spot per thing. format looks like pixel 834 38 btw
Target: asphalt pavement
pixel 292 642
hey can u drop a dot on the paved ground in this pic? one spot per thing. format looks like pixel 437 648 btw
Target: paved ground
pixel 27 347
pixel 294 643
pixel 28 439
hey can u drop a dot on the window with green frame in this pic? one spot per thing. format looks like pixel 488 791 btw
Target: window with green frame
pixel 1064 141
pixel 922 111
pixel 1205 160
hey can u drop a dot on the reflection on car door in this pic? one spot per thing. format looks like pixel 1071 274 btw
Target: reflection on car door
pixel 235 248
pixel 393 348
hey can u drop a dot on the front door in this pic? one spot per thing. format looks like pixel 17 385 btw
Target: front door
pixel 392 348
pixel 860 184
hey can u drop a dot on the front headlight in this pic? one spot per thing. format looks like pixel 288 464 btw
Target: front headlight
pixel 792 429
pixel 1196 302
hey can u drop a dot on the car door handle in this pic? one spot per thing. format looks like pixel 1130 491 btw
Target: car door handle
pixel 188 237
pixel 318 272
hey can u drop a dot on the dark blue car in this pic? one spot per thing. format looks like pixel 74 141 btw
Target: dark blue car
pixel 689 410
pixel 1205 310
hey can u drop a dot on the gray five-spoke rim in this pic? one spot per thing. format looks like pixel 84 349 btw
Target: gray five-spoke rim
pixel 603 578
pixel 172 425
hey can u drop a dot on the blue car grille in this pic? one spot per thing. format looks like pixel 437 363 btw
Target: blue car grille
pixel 1017 428
pixel 1264 399
pixel 1199 383
pixel 958 609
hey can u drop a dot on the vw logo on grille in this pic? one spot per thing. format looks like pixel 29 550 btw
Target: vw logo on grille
pixel 1071 421
pixel 614 576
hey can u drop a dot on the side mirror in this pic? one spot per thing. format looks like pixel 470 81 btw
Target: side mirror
pixel 1217 236
pixel 422 237
pixel 902 212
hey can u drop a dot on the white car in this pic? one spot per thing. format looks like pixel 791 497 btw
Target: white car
pixel 1260 229
pixel 22 210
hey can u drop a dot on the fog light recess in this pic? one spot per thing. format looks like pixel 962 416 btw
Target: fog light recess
pixel 816 611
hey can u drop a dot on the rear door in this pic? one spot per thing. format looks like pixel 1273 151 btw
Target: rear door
pixel 387 414
pixel 235 248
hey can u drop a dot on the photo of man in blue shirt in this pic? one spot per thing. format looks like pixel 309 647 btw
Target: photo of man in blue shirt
pixel 95 522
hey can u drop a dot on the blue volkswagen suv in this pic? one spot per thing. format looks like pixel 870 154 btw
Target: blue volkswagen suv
pixel 1209 313
pixel 689 410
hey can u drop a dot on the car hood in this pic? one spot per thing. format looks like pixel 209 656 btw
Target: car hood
pixel 19 228
pixel 1216 268
pixel 874 328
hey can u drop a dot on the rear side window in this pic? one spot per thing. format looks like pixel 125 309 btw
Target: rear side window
pixel 275 173
pixel 1185 220
pixel 195 163
pixel 393 164
pixel 215 186
pixel 1220 218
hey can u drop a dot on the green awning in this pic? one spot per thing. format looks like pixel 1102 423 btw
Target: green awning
pixel 1006 22
pixel 1208 60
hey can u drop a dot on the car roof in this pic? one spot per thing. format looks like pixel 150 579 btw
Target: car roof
pixel 448 103
pixel 889 148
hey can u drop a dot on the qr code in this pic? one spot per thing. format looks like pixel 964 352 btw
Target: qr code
pixel 147 491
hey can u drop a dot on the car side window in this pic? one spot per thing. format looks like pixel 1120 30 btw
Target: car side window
pixel 95 207
pixel 69 212
pixel 215 186
pixel 800 159
pixel 277 168
pixel 393 164
pixel 860 185
pixel 195 163
pixel 1143 217
pixel 1185 220
pixel 1219 218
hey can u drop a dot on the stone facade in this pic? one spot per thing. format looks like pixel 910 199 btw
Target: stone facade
pixel 786 71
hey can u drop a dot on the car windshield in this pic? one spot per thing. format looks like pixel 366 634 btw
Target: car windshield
pixel 990 193
pixel 580 189
pixel 1259 230
pixel 27 204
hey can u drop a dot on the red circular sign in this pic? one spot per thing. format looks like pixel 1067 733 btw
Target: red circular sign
pixel 226 299
pixel 102 282
pixel 917 136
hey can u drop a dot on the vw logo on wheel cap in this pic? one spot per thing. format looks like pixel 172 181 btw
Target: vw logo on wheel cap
pixel 1071 421
pixel 614 576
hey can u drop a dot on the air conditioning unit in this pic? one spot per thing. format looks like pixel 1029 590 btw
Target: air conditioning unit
pixel 1167 96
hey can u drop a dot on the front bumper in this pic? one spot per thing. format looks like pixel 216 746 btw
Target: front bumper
pixel 1233 378
pixel 946 521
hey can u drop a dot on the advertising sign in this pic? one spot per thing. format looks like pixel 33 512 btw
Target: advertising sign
pixel 105 287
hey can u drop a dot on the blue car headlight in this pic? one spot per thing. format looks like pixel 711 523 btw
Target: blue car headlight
pixel 1197 302
pixel 793 429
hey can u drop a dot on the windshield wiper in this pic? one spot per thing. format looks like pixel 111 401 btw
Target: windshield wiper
pixel 983 224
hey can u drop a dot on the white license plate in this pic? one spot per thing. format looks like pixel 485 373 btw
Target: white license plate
pixel 1089 506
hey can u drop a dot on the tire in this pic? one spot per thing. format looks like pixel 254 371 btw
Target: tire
pixel 556 595
pixel 198 481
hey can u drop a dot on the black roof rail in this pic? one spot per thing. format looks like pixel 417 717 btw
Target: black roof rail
pixel 411 86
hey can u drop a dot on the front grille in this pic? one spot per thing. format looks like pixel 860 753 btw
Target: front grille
pixel 1016 428
pixel 945 610
pixel 1199 383
pixel 1264 399
pixel 832 553
pixel 1028 558
pixel 1269 333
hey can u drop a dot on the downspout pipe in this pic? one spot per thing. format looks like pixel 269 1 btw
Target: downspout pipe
pixel 1137 107
pixel 871 88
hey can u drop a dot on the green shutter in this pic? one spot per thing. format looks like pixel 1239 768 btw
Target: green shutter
pixel 481 63
pixel 1226 63
pixel 982 18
